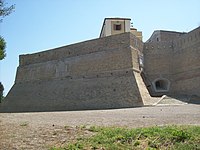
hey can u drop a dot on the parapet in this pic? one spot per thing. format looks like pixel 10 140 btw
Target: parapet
pixel 78 49
pixel 187 40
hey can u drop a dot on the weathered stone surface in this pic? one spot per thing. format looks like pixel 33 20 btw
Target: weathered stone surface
pixel 96 74
pixel 74 94
pixel 106 73
pixel 175 57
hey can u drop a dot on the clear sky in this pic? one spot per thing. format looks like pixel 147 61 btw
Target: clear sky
pixel 38 25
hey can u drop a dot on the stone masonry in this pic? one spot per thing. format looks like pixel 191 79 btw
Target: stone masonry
pixel 117 71
pixel 96 74
pixel 174 57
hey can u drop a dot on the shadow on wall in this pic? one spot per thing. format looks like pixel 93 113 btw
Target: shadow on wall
pixel 158 87
pixel 194 100
pixel 161 86
pixel 180 99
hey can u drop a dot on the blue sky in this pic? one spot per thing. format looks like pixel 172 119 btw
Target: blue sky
pixel 38 25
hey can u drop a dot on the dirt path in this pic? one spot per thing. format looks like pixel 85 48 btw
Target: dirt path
pixel 45 129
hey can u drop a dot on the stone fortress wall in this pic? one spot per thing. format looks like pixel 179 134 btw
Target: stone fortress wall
pixel 117 71
pixel 173 57
pixel 78 60
pixel 96 74
pixel 186 56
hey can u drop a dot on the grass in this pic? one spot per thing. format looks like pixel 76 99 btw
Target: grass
pixel 115 138
pixel 23 124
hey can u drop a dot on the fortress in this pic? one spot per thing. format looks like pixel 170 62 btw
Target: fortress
pixel 116 70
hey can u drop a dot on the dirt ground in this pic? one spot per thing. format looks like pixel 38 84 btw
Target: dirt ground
pixel 43 130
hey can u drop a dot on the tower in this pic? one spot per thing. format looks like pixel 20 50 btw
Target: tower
pixel 112 26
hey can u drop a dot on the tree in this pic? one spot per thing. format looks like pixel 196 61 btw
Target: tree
pixel 2 48
pixel 4 10
pixel 1 92
pixel 2 56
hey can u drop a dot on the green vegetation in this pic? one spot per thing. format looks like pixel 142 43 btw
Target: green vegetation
pixel 4 11
pixel 24 124
pixel 1 92
pixel 2 48
pixel 115 138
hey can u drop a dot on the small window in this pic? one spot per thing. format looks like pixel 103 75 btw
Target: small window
pixel 117 26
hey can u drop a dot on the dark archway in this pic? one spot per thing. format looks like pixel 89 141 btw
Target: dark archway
pixel 161 85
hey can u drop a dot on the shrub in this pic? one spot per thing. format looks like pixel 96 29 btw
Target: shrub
pixel 1 91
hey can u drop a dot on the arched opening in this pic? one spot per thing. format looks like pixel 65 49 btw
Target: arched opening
pixel 161 85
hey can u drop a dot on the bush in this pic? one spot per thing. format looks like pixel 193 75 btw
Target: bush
pixel 1 91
